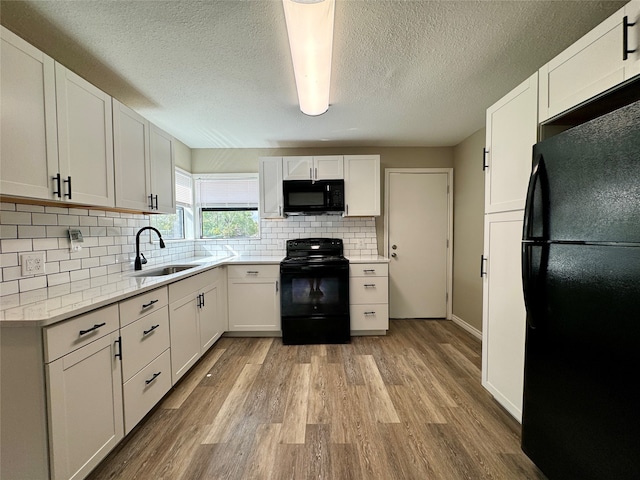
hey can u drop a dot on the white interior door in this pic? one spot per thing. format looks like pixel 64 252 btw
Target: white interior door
pixel 418 227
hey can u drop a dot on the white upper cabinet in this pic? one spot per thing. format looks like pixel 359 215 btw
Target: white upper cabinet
pixel 144 159
pixel 131 158
pixel 29 147
pixel 162 158
pixel 512 125
pixel 85 140
pixel 593 64
pixel 362 185
pixel 326 167
pixel 271 200
pixel 632 63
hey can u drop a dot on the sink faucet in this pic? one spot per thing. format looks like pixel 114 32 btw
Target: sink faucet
pixel 137 265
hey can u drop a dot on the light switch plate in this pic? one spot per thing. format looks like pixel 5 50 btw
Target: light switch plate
pixel 32 263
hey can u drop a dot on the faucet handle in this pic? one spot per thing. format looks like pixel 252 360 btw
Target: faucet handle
pixel 144 259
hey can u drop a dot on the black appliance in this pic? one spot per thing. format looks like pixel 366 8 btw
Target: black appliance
pixel 314 296
pixel 307 197
pixel 581 279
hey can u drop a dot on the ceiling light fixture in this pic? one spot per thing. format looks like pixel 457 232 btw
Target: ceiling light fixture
pixel 310 30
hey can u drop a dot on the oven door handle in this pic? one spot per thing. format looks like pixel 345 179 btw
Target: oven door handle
pixel 297 269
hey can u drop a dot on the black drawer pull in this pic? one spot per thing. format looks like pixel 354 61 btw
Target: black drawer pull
pixel 146 305
pixel 369 285
pixel 155 375
pixel 147 332
pixel 252 272
pixel 369 270
pixel 369 313
pixel 95 327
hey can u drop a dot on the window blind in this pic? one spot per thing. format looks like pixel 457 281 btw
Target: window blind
pixel 227 191
pixel 184 188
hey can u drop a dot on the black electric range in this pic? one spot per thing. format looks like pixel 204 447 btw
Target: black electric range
pixel 314 298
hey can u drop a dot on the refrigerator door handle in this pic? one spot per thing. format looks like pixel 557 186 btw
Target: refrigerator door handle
pixel 526 283
pixel 536 170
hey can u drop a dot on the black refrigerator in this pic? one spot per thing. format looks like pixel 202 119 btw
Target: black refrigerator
pixel 581 280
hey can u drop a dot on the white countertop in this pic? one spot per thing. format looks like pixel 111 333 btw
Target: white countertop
pixel 46 306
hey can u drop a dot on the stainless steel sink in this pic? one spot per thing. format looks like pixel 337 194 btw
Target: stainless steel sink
pixel 162 271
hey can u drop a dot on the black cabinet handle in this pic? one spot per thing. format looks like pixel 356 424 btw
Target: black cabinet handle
pixel 482 260
pixel 147 332
pixel 484 159
pixel 202 299
pixel 199 297
pixel 146 305
pixel 155 375
pixel 625 38
pixel 369 313
pixel 156 206
pixel 57 190
pixel 119 354
pixel 95 327
pixel 68 180
pixel 150 201
pixel 369 285
pixel 371 270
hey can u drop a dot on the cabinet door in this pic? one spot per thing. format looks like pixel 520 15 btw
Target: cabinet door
pixel 588 67
pixel 254 305
pixel 504 317
pixel 328 167
pixel 632 63
pixel 211 327
pixel 512 125
pixel 362 185
pixel 85 140
pixel 297 168
pixel 271 187
pixel 185 335
pixel 162 156
pixel 29 148
pixel 131 158
pixel 85 408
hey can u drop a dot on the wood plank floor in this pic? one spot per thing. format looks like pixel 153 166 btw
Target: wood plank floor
pixel 408 405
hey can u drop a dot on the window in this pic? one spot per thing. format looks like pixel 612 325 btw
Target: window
pixel 228 205
pixel 178 225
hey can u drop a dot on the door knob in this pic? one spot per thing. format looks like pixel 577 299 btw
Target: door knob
pixel 394 255
pixel 394 246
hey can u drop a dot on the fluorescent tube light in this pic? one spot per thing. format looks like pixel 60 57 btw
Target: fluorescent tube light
pixel 310 30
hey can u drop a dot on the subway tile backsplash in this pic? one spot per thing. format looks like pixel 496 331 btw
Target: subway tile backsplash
pixel 109 242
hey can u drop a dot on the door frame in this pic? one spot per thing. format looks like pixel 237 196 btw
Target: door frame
pixel 449 173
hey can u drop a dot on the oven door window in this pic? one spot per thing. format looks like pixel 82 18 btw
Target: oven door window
pixel 315 291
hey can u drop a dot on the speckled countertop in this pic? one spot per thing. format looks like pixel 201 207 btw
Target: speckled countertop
pixel 46 306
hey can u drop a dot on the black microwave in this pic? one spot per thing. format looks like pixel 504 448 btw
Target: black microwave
pixel 306 197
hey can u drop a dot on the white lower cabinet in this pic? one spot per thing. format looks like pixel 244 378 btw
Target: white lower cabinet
pixel 369 297
pixel 504 316
pixel 197 318
pixel 146 369
pixel 142 391
pixel 254 298
pixel 84 401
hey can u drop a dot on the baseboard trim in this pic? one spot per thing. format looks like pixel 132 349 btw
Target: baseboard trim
pixel 464 325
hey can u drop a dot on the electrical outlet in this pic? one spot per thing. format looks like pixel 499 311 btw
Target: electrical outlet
pixel 32 263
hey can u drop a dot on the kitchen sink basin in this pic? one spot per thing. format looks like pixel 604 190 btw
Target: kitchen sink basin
pixel 162 271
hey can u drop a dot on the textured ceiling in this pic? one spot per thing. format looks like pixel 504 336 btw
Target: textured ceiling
pixel 218 74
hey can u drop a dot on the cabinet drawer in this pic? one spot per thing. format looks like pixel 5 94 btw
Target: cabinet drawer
pixel 146 389
pixel 369 317
pixel 368 269
pixel 364 290
pixel 64 337
pixel 254 271
pixel 182 288
pixel 143 340
pixel 141 305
